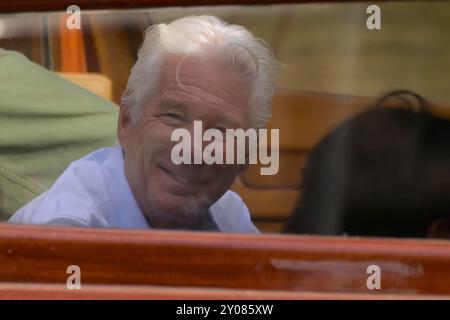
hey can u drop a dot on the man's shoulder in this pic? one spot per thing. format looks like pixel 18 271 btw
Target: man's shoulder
pixel 75 198
pixel 85 179
pixel 96 156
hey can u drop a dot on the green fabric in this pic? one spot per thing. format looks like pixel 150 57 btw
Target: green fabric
pixel 45 123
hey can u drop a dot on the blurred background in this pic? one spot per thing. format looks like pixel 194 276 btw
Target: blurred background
pixel 326 47
pixel 334 68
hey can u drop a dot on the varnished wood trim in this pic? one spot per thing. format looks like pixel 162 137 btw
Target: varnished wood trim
pixel 39 291
pixel 61 5
pixel 193 259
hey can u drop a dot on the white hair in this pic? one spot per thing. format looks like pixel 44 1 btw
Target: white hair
pixel 203 35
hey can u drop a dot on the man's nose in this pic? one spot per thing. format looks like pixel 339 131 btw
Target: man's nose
pixel 213 143
pixel 198 146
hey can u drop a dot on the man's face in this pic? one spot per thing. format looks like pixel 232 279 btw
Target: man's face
pixel 176 196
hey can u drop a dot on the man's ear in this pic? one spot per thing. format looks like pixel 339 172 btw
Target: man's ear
pixel 123 124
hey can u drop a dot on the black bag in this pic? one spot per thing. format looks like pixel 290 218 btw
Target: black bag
pixel 385 172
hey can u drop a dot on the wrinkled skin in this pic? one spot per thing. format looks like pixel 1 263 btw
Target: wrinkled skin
pixel 178 196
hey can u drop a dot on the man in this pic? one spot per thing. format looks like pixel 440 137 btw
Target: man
pixel 193 69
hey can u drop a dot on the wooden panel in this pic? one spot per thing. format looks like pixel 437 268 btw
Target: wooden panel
pixel 31 254
pixel 291 164
pixel 53 36
pixel 303 118
pixel 24 35
pixel 72 48
pixel 61 5
pixel 96 83
pixel 116 40
pixel 38 291
pixel 269 226
pixel 267 203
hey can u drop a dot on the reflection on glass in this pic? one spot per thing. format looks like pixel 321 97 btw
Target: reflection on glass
pixel 383 172
pixel 332 62
pixel 196 69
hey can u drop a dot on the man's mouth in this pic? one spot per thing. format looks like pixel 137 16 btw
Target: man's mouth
pixel 182 179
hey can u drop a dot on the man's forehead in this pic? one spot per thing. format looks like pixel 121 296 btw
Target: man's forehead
pixel 193 74
pixel 198 66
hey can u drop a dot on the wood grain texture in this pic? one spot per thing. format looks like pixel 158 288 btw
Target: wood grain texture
pixel 38 291
pixel 97 83
pixel 72 48
pixel 32 254
pixel 303 118
pixel 61 5
pixel 267 203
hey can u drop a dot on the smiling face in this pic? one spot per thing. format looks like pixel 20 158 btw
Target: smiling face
pixel 178 196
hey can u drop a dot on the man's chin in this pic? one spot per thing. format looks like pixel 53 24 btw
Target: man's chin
pixel 180 206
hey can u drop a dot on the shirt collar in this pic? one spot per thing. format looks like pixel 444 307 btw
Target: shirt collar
pixel 127 212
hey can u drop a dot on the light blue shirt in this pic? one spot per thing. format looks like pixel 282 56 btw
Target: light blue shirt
pixel 94 192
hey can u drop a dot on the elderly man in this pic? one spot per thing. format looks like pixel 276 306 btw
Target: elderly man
pixel 193 69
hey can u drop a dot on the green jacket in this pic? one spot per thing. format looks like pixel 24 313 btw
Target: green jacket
pixel 45 123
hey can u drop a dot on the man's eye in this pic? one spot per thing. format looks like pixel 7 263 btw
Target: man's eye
pixel 172 119
pixel 172 116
